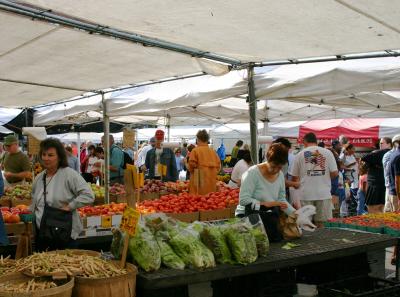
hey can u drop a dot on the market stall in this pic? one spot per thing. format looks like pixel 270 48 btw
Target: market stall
pixel 33 74
pixel 173 200
pixel 315 247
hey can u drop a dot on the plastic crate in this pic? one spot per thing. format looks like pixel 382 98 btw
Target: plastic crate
pixel 362 286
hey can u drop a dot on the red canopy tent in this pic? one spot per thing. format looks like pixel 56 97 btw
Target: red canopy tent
pixel 360 132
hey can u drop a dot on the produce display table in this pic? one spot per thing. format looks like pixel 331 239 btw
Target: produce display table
pixel 95 243
pixel 318 246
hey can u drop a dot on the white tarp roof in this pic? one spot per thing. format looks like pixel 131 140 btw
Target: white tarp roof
pixel 203 100
pixel 387 128
pixel 371 84
pixel 58 63
pixel 238 131
pixel 260 30
pixel 153 99
pixel 150 103
pixel 142 135
pixel 7 114
pixel 42 62
pixel 4 130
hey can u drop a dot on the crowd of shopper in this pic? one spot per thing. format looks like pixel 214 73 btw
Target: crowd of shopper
pixel 328 178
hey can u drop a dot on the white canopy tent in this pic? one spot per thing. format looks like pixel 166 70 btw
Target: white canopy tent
pixel 206 100
pixel 371 84
pixel 177 135
pixel 7 114
pixel 231 133
pixel 263 30
pixel 42 62
pixel 4 130
pixel 49 61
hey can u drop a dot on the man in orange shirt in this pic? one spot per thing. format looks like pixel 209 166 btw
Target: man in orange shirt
pixel 204 166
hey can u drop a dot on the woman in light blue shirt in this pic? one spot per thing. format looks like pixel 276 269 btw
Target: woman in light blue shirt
pixel 264 184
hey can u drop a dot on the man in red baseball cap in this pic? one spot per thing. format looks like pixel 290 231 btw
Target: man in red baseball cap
pixel 160 161
pixel 160 135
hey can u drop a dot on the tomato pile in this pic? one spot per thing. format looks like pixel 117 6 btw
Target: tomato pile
pixel 185 202
pixel 388 219
pixel 99 210
pixel 12 215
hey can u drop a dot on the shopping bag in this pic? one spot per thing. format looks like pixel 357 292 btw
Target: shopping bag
pixel 289 227
pixel 270 217
pixel 344 209
pixel 304 217
pixel 182 175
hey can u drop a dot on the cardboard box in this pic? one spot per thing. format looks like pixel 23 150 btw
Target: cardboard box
pixel 233 209
pixel 149 196
pixel 101 201
pixel 116 220
pixel 90 232
pixel 5 201
pixel 84 222
pixel 117 198
pixel 187 217
pixel 93 222
pixel 106 221
pixel 98 232
pixel 18 228
pixel 16 201
pixel 163 193
pixel 213 215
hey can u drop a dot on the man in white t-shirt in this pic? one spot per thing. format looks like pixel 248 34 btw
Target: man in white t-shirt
pixel 141 160
pixel 314 167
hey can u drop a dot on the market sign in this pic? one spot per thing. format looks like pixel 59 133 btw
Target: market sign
pixel 130 219
pixel 360 142
pixel 128 139
pixel 33 145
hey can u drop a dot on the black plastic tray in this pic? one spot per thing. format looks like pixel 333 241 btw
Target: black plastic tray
pixel 361 286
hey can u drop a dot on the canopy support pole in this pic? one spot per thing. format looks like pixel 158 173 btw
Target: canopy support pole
pixel 253 114
pixel 168 128
pixel 265 121
pixel 78 136
pixel 106 149
pixel 26 118
pixel 136 140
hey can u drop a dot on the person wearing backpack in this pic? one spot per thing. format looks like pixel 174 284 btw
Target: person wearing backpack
pixel 117 162
pixel 221 155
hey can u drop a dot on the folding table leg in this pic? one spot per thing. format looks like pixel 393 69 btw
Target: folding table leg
pixel 397 251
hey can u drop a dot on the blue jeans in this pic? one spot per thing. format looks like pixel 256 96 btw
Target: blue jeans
pixel 341 193
pixel 335 186
pixel 361 202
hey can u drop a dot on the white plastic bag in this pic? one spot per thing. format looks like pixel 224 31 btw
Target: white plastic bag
pixel 182 175
pixel 347 191
pixel 344 209
pixel 304 217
